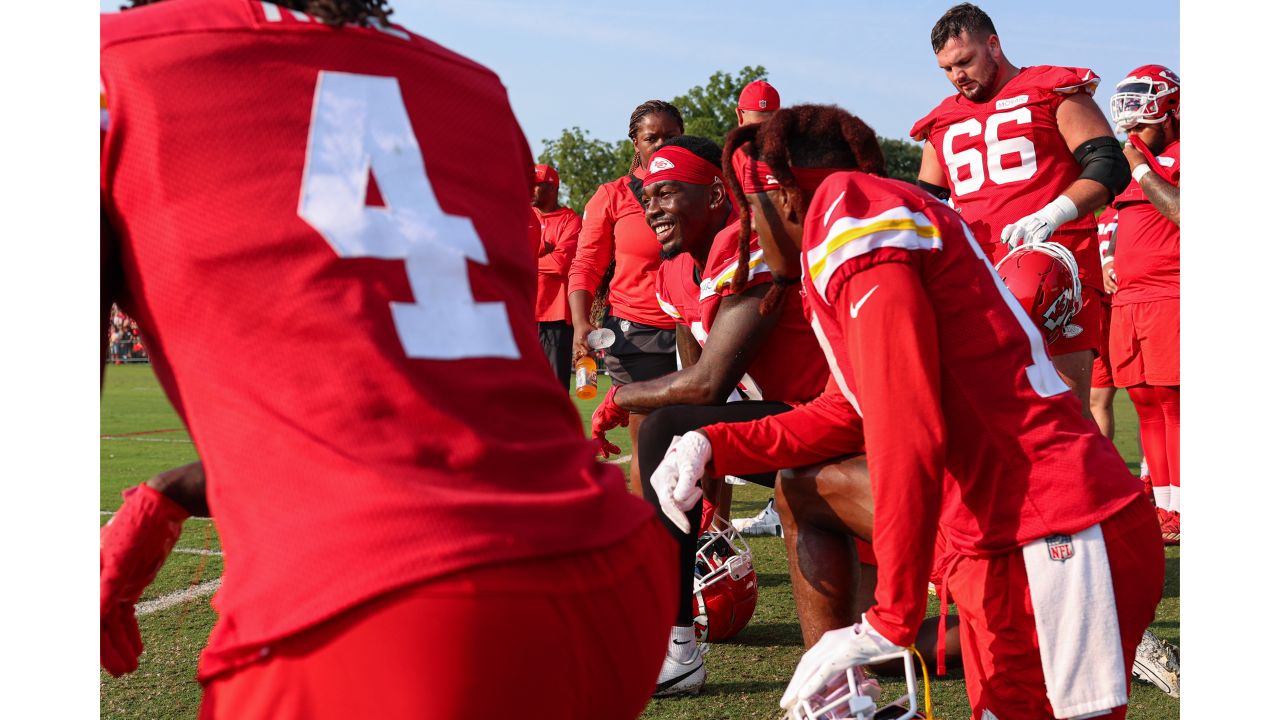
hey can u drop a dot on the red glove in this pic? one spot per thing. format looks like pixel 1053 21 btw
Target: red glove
pixel 135 544
pixel 607 417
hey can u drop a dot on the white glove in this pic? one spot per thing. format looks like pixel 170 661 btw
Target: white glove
pixel 1038 226
pixel 676 479
pixel 835 652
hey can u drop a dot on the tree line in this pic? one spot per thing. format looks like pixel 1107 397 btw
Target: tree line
pixel 584 162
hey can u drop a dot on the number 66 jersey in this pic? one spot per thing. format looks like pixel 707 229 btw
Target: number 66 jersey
pixel 1005 159
pixel 323 234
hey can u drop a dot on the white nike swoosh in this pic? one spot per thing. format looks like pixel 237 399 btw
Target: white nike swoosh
pixel 853 311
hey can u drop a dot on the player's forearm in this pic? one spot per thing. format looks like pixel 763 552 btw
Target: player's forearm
pixel 820 430
pixel 689 386
pixel 1164 196
pixel 687 346
pixel 580 308
pixel 1087 195
pixel 185 486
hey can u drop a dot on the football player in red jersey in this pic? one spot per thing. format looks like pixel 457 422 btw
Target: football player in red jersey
pixel 1147 247
pixel 558 242
pixel 733 345
pixel 968 428
pixel 1025 155
pixel 614 232
pixel 396 545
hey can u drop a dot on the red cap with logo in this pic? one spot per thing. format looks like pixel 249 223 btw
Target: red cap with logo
pixel 759 96
pixel 546 173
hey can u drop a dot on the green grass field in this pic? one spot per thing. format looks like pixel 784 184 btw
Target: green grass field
pixel 143 436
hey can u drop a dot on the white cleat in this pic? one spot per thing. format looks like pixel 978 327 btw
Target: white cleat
pixel 1157 663
pixel 766 523
pixel 684 671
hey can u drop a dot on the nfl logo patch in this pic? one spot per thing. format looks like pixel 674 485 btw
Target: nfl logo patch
pixel 1060 547
pixel 764 104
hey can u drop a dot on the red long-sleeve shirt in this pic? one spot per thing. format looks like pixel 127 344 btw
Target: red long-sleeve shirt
pixel 557 244
pixel 613 227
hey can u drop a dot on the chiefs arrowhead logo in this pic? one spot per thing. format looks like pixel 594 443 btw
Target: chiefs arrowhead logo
pixel 660 163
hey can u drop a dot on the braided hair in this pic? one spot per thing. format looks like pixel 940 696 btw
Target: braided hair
pixel 334 13
pixel 644 110
pixel 801 136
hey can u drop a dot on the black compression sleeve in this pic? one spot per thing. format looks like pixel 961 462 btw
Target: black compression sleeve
pixel 935 190
pixel 1102 160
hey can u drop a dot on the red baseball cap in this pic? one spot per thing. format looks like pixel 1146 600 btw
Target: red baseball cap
pixel 759 96
pixel 546 173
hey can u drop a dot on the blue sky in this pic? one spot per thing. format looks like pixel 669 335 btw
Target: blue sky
pixel 571 62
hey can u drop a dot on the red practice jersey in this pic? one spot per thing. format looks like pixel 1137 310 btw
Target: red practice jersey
pixel 323 235
pixel 1006 159
pixel 676 288
pixel 559 229
pixel 614 229
pixel 967 424
pixel 1148 248
pixel 787 367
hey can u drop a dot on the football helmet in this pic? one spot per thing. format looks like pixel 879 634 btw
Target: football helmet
pixel 725 589
pixel 1045 279
pixel 852 696
pixel 1146 95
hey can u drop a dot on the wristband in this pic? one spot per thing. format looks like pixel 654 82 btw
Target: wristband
pixel 1141 172
pixel 1108 259
pixel 1061 210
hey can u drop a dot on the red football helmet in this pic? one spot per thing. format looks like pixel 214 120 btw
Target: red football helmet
pixel 1045 279
pixel 1147 95
pixel 724 584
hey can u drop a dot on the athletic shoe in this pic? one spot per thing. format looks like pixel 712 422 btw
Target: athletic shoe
pixel 765 523
pixel 1171 528
pixel 1157 663
pixel 682 676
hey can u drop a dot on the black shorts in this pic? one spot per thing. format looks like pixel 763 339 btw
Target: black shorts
pixel 639 352
pixel 556 337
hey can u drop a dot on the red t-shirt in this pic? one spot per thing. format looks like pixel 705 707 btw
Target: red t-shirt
pixel 1006 159
pixel 614 228
pixel 967 424
pixel 560 229
pixel 359 447
pixel 1149 245
pixel 676 288
pixel 787 367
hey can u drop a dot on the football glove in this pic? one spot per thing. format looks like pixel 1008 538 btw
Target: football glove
pixel 607 417
pixel 134 544
pixel 676 479
pixel 1038 226
pixel 834 653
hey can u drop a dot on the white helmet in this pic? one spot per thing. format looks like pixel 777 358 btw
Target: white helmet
pixel 852 696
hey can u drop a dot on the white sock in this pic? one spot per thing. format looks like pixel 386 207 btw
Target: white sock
pixel 1174 495
pixel 681 646
pixel 1143 471
pixel 1162 496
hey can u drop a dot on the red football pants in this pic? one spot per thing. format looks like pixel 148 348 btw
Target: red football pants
pixel 577 636
pixel 1002 667
pixel 1160 427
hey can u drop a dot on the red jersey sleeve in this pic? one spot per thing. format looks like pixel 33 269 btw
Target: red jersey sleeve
pixel 892 345
pixel 595 243
pixel 1070 80
pixel 566 242
pixel 826 428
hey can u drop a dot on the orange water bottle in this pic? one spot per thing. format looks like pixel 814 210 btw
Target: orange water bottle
pixel 584 371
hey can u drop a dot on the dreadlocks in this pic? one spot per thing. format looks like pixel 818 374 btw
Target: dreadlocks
pixel 334 13
pixel 644 110
pixel 801 136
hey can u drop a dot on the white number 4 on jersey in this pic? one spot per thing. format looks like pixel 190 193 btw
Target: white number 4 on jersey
pixel 358 124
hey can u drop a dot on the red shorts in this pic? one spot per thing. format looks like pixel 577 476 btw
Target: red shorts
pixel 1088 320
pixel 1002 667
pixel 1102 364
pixel 1145 339
pixel 574 636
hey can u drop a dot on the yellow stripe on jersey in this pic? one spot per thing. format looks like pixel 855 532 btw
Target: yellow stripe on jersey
pixel 755 266
pixel 668 308
pixel 850 237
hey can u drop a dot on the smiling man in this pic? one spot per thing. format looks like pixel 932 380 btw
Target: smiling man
pixel 1026 156
pixel 729 349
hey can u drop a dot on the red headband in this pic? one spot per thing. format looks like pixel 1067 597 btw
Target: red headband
pixel 755 175
pixel 676 163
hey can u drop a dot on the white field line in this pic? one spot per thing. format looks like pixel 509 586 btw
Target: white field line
pixel 621 460
pixel 198 551
pixel 164 602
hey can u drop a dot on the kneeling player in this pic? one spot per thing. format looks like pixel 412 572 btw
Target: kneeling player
pixel 968 423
